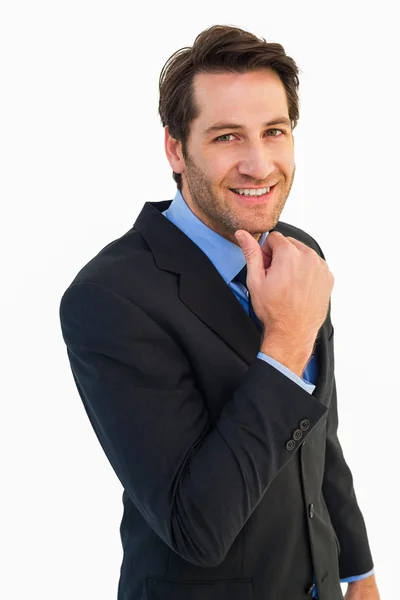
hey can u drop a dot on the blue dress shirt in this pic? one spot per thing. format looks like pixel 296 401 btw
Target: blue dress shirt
pixel 228 259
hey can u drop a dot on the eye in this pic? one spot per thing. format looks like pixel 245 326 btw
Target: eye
pixel 225 137
pixel 220 138
pixel 283 133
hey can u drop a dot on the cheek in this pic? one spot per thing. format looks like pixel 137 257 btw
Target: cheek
pixel 224 167
pixel 217 168
pixel 286 159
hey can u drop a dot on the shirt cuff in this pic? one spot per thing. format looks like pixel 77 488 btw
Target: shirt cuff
pixel 357 577
pixel 306 385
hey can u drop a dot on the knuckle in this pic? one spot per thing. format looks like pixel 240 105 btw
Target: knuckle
pixel 291 239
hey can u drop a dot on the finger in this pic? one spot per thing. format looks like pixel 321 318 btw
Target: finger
pixel 271 242
pixel 297 243
pixel 252 253
pixel 266 253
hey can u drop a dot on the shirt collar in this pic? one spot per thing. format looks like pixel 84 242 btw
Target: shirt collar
pixel 226 257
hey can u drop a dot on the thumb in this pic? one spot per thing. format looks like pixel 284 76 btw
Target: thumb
pixel 252 253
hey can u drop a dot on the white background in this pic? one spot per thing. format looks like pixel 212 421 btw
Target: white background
pixel 81 152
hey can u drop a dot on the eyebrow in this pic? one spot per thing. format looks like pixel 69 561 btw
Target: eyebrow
pixel 223 125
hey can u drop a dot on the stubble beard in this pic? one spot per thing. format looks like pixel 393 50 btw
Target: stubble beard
pixel 211 206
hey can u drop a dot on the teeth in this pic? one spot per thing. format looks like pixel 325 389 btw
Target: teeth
pixel 247 192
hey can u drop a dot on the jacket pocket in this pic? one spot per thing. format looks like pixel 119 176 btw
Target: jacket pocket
pixel 229 589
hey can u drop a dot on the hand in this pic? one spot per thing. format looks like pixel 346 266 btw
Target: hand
pixel 290 285
pixel 364 589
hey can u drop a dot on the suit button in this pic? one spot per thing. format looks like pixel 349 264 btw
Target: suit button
pixel 290 445
pixel 305 424
pixel 297 434
pixel 311 510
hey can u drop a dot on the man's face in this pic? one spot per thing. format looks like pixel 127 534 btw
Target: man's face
pixel 230 146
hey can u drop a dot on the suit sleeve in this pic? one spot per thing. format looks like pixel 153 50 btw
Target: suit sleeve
pixel 338 491
pixel 355 555
pixel 194 484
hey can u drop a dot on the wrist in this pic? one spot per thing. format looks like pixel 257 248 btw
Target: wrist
pixel 366 583
pixel 363 589
pixel 289 352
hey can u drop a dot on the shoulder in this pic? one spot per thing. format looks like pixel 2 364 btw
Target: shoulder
pixel 289 230
pixel 118 264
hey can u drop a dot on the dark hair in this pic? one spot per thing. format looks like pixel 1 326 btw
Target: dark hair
pixel 219 49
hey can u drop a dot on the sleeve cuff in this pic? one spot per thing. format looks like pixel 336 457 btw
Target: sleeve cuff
pixel 306 385
pixel 357 577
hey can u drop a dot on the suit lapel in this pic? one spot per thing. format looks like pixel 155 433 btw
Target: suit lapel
pixel 201 287
pixel 204 291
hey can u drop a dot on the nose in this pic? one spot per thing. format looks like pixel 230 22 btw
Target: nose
pixel 256 162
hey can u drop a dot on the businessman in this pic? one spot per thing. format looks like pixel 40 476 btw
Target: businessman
pixel 202 347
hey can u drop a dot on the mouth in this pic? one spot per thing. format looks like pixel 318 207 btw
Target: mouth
pixel 253 195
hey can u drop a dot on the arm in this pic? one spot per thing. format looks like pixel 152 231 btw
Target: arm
pixel 347 520
pixel 337 488
pixel 138 389
pixel 363 589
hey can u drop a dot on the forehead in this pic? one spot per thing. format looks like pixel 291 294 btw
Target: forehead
pixel 242 97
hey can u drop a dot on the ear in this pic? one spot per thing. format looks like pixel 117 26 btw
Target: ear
pixel 173 150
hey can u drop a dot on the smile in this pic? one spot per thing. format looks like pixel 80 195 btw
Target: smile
pixel 254 195
pixel 251 191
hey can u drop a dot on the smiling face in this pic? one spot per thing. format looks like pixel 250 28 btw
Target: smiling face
pixel 241 139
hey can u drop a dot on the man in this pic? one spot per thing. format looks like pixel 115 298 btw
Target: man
pixel 201 345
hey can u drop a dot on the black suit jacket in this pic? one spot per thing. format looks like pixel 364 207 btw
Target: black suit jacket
pixel 235 485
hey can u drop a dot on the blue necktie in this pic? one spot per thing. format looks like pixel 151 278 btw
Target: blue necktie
pixel 241 277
